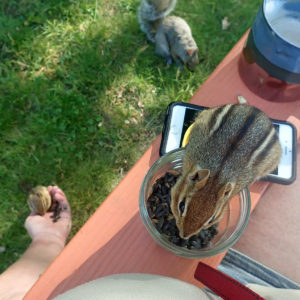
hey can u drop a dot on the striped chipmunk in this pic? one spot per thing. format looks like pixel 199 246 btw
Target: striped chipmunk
pixel 230 147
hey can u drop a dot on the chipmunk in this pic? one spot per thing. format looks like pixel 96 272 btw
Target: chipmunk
pixel 230 147
pixel 151 13
pixel 174 41
pixel 39 200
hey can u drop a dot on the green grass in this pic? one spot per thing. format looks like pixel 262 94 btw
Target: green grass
pixel 82 96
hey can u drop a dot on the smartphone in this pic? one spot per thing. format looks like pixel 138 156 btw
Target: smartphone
pixel 180 115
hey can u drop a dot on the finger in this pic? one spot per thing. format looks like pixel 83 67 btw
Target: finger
pixel 55 189
pixel 32 217
pixel 57 194
pixel 61 198
pixel 30 220
pixel 64 206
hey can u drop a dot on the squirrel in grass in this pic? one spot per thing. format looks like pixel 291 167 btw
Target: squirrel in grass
pixel 172 35
pixel 229 147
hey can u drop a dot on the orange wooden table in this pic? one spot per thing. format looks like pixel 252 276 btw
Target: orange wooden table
pixel 114 239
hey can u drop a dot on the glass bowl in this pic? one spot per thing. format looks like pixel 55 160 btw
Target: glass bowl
pixel 230 227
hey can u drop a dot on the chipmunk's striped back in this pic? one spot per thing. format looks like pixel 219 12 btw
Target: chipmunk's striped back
pixel 229 147
pixel 233 140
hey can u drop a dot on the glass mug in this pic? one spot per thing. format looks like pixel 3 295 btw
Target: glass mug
pixel 230 228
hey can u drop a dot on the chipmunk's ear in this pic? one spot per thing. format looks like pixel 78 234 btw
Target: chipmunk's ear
pixel 199 177
pixel 225 191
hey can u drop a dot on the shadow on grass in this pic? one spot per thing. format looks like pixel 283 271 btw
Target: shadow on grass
pixel 22 20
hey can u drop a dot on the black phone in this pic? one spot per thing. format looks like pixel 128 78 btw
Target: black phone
pixel 180 115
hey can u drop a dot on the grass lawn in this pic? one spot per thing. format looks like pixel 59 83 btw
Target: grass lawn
pixel 82 96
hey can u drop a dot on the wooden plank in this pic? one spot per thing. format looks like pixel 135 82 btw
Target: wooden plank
pixel 273 226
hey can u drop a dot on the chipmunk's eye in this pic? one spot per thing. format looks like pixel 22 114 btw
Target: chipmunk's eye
pixel 182 206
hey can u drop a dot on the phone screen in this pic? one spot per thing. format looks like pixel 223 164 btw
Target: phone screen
pixel 180 119
pixel 189 118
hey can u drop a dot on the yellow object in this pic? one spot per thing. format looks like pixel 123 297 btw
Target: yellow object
pixel 187 135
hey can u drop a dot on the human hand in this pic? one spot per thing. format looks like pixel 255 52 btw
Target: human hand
pixel 43 228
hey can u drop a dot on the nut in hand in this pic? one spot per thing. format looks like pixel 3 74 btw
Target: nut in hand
pixel 39 200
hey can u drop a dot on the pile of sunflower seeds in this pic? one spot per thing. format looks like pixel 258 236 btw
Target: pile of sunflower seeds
pixel 158 206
